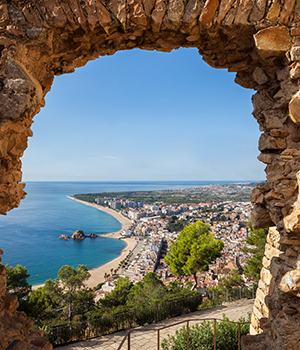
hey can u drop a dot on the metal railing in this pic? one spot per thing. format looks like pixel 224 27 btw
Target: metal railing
pixel 73 332
pixel 106 325
pixel 13 344
pixel 127 336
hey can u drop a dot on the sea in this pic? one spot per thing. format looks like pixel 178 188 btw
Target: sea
pixel 29 234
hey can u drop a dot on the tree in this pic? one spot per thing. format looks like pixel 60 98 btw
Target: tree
pixel 257 241
pixel 194 249
pixel 149 291
pixel 118 296
pixel 175 225
pixel 17 283
pixel 69 287
pixel 233 280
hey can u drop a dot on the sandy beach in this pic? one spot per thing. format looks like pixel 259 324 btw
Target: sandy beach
pixel 97 274
pixel 125 222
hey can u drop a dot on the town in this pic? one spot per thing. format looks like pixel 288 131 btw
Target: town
pixel 156 225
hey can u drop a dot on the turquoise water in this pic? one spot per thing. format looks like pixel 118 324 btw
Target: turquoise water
pixel 29 235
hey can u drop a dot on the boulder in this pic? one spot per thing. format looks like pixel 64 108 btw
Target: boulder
pixel 66 237
pixel 78 234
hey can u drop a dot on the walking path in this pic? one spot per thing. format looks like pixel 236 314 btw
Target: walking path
pixel 145 338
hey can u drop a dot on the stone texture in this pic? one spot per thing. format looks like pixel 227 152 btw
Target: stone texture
pixel 294 108
pixel 209 11
pixel 272 41
pixel 78 235
pixel 257 39
pixel 260 217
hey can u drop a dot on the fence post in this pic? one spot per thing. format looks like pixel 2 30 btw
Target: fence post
pixel 215 334
pixel 227 295
pixel 213 297
pixel 128 341
pixel 252 292
pixel 187 335
pixel 240 293
pixel 158 339
pixel 239 336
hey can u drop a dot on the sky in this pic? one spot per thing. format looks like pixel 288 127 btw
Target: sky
pixel 145 116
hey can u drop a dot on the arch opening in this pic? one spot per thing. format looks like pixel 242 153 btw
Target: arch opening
pixel 257 40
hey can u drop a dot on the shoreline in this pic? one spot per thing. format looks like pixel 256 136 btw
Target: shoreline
pixel 97 273
pixel 126 223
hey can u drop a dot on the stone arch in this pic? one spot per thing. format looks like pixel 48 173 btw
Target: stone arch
pixel 257 39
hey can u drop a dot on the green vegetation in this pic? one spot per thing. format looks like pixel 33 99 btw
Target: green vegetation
pixel 66 299
pixel 175 225
pixel 194 249
pixel 17 283
pixel 257 240
pixel 59 301
pixel 201 336
pixel 219 193
pixel 148 292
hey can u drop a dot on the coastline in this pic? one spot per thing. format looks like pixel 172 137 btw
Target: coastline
pixel 126 223
pixel 97 274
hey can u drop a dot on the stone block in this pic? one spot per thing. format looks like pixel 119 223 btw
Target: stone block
pixel 264 310
pixel 275 267
pixel 266 275
pixel 263 287
pixel 257 304
pixel 292 221
pixel 291 253
pixel 10 302
pixel 295 71
pixel 259 76
pixel 272 41
pixel 209 11
pixel 253 330
pixel 257 342
pixel 192 11
pixel 260 296
pixel 272 122
pixel 257 313
pixel 268 142
pixel 295 31
pixel 279 133
pixel 286 11
pixel 40 342
pixel 273 237
pixel 271 252
pixel 258 11
pixel 257 196
pixel 225 6
pixel 272 195
pixel 274 11
pixel 295 53
pixel 290 283
pixel 243 12
pixel 265 158
pixel 260 217
pixel 294 108
pixel 266 263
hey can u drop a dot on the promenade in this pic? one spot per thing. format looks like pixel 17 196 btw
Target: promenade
pixel 145 338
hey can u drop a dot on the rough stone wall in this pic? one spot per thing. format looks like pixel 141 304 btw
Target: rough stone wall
pixel 257 39
pixel 14 325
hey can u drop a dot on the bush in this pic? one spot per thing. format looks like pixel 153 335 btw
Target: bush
pixel 201 336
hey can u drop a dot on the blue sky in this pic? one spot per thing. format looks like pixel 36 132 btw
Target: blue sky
pixel 145 115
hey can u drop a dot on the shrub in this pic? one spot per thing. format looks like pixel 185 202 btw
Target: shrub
pixel 201 336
